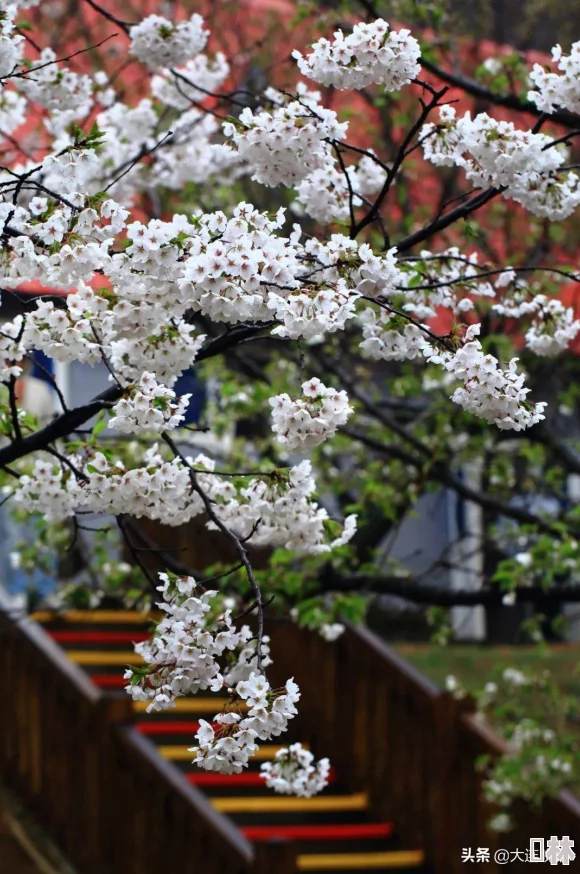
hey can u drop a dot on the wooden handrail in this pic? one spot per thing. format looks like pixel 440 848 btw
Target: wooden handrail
pixel 158 822
pixel 141 749
pixel 48 651
pixel 410 745
pixel 97 785
pixel 571 803
pixel 484 739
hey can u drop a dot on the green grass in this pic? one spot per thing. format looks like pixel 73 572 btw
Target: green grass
pixel 474 665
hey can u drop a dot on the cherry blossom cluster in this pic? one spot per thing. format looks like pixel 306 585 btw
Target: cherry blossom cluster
pixel 11 43
pixel 234 263
pixel 326 193
pixel 280 513
pixel 295 772
pixel 370 175
pixel 12 106
pixel 242 269
pixel 181 657
pixel 286 143
pixel 11 348
pixel 170 351
pixel 488 391
pixel 193 157
pixel 312 312
pixel 448 279
pixel 390 337
pixel 247 656
pixel 136 323
pixel 158 490
pixel 67 95
pixel 158 42
pixel 553 325
pixel 178 88
pixel 371 54
pixel 12 110
pixel 558 90
pixel 184 653
pixel 523 164
pixel 347 270
pixel 52 490
pixel 305 422
pixel 53 331
pixel 229 742
pixel 366 272
pixel 148 406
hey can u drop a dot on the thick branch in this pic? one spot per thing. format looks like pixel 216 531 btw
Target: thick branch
pixel 72 420
pixel 421 593
pixel 440 472
pixel 510 101
pixel 61 427
pixel 460 212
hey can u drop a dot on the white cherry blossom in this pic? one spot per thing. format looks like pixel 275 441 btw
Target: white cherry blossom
pixel 148 406
pixel 283 145
pixel 294 771
pixel 158 42
pixel 523 164
pixel 488 391
pixel 371 54
pixel 305 422
pixel 191 82
pixel 228 744
pixel 558 90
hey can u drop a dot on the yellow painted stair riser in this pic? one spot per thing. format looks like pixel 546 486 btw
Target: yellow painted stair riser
pixel 177 753
pixel 94 617
pixel 358 801
pixel 361 861
pixel 94 659
pixel 209 706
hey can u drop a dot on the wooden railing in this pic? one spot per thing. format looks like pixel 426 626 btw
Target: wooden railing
pixel 115 807
pixel 98 787
pixel 469 818
pixel 53 734
pixel 411 746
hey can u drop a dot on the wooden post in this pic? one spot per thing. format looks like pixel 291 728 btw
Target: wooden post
pixel 276 856
pixel 451 815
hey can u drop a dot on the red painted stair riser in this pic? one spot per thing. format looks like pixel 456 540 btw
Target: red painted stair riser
pixel 339 832
pixel 99 636
pixel 246 778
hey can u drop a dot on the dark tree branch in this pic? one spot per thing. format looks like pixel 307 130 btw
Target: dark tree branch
pixel 439 471
pixel 460 212
pixel 72 420
pixel 231 535
pixel 420 593
pixel 510 101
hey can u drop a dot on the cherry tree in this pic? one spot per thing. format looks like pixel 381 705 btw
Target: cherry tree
pixel 280 268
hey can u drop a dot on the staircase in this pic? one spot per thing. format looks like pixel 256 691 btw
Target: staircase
pixel 115 789
pixel 333 832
